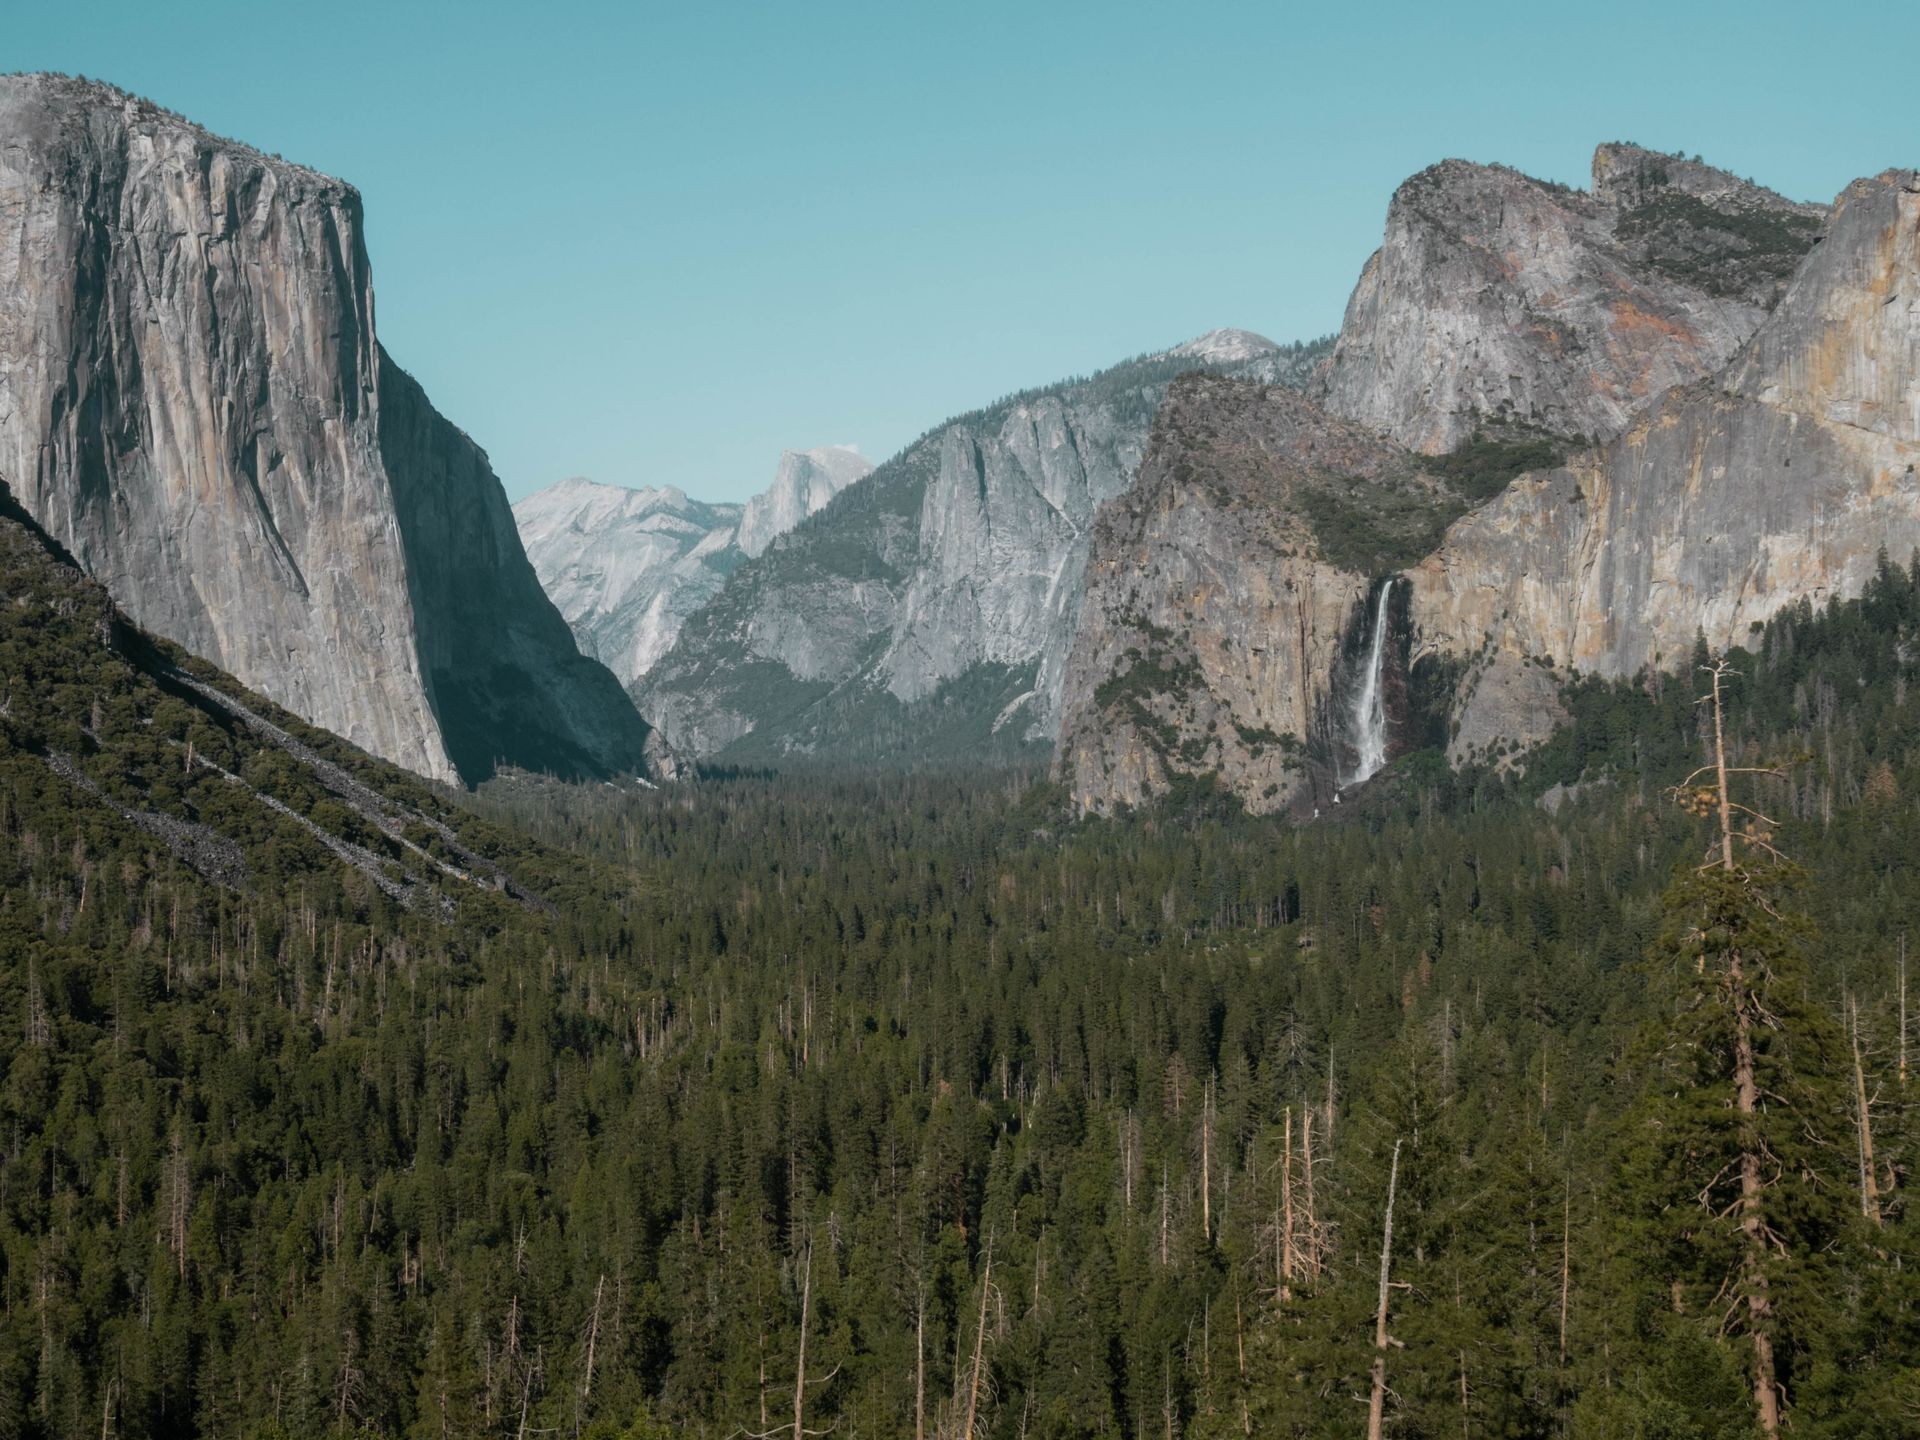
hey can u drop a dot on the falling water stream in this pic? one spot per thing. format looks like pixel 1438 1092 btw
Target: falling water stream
pixel 1369 701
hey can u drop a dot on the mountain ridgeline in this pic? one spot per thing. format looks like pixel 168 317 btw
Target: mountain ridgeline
pixel 195 403
pixel 626 567
pixel 1581 426
pixel 925 614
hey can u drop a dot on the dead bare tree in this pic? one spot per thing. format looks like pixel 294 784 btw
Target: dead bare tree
pixel 1748 1014
pixel 798 1429
pixel 1903 1009
pixel 1863 1121
pixel 1377 1402
pixel 979 1342
pixel 593 1342
pixel 920 1360
pixel 1206 1161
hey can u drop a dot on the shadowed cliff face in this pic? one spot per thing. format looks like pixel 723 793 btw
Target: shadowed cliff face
pixel 1495 296
pixel 506 683
pixel 1780 478
pixel 193 403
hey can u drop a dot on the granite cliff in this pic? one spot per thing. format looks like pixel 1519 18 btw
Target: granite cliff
pixel 1227 595
pixel 1499 299
pixel 626 567
pixel 926 613
pixel 1782 477
pixel 194 403
pixel 1220 612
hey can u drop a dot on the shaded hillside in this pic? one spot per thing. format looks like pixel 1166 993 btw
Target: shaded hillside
pixel 170 759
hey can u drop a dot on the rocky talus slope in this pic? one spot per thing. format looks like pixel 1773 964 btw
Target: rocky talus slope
pixel 926 613
pixel 1498 298
pixel 1223 598
pixel 194 403
pixel 1780 478
pixel 627 567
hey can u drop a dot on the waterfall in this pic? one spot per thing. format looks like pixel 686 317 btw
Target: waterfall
pixel 1369 717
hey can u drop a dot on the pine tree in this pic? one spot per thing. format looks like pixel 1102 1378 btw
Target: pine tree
pixel 1735 1155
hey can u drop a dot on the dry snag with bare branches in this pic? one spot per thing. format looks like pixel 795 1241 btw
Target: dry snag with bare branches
pixel 1748 1033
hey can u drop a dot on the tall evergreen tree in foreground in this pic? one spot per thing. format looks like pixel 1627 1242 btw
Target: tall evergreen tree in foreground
pixel 1734 1167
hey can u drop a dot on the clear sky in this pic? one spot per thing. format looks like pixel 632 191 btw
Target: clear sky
pixel 657 243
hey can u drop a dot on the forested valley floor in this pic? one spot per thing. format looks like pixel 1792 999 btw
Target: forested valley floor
pixel 910 1105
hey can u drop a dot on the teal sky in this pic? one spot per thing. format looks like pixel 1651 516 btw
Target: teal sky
pixel 657 243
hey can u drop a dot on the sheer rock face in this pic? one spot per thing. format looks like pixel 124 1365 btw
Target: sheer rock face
pixel 1781 478
pixel 627 567
pixel 1003 546
pixel 193 402
pixel 927 612
pixel 1216 627
pixel 805 481
pixel 1496 296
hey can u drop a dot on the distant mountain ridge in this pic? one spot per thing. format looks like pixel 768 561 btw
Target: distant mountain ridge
pixel 627 566
pixel 926 613
pixel 804 483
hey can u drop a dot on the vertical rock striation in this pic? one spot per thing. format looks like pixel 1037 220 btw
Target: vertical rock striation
pixel 193 402
pixel 1227 597
pixel 1782 478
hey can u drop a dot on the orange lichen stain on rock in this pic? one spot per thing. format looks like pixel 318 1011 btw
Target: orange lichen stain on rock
pixel 1632 321
pixel 1850 337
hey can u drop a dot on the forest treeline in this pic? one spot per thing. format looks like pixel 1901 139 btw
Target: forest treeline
pixel 906 1105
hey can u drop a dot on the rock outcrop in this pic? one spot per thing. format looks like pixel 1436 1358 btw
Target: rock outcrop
pixel 193 402
pixel 627 567
pixel 1227 596
pixel 926 613
pixel 802 485
pixel 1783 477
pixel 1497 298
pixel 1780 477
